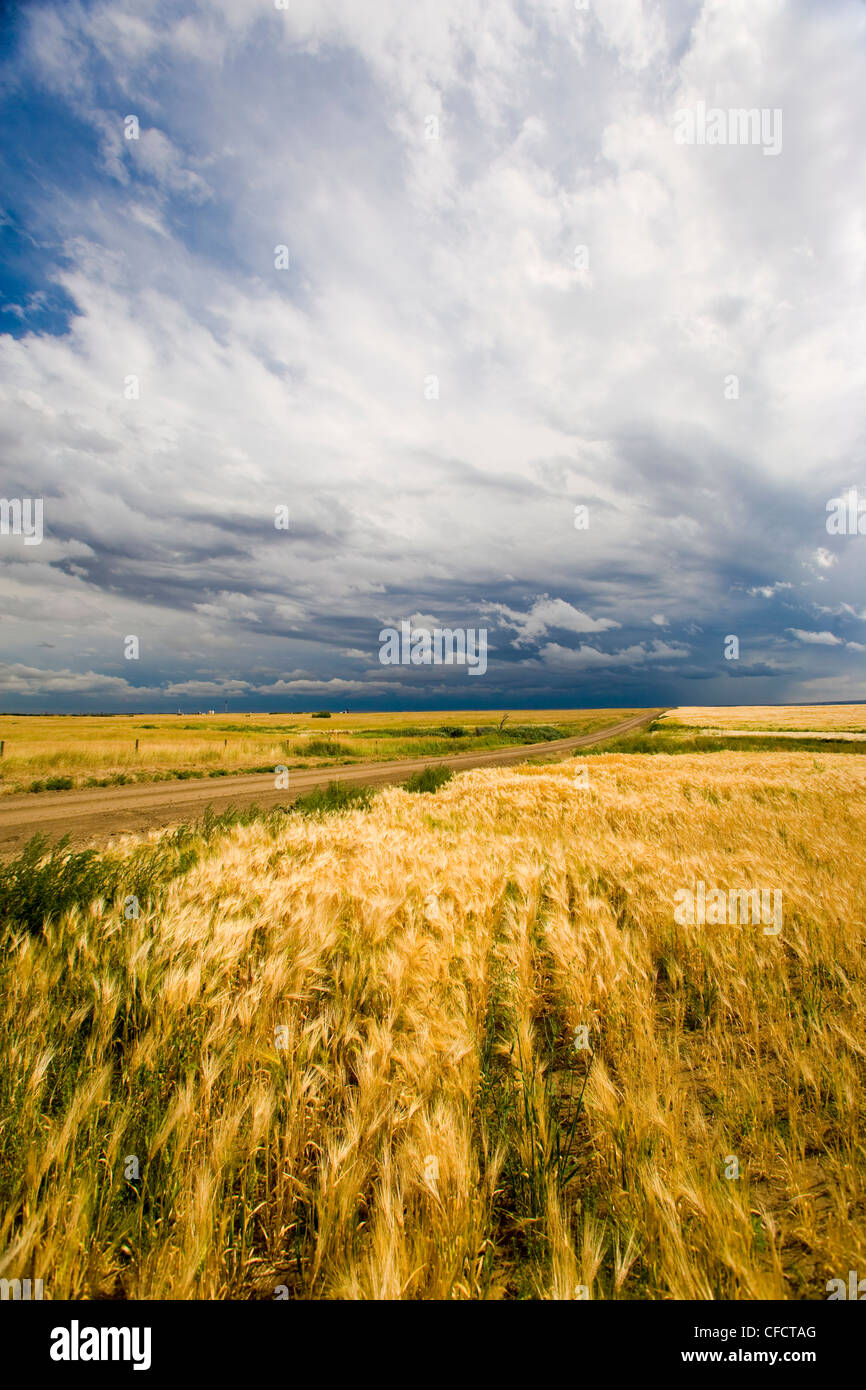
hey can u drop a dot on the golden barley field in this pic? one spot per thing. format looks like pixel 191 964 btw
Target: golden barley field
pixel 457 1046
pixel 788 718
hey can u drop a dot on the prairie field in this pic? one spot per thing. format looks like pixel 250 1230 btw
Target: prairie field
pixel 58 752
pixel 450 1045
pixel 835 719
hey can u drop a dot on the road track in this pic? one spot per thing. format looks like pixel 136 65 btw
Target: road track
pixel 94 815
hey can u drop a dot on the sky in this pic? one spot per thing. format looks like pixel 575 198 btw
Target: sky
pixel 322 316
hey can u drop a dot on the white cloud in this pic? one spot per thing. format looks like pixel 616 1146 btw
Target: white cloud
pixel 585 657
pixel 224 689
pixel 335 686
pixel 823 639
pixel 824 558
pixel 769 590
pixel 18 679
pixel 545 614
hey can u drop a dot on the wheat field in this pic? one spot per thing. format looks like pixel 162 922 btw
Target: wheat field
pixel 789 718
pixel 457 1046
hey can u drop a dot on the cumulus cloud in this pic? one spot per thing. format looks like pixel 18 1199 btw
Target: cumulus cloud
pixel 221 689
pixel 546 614
pixel 584 657
pixel 18 679
pixel 335 686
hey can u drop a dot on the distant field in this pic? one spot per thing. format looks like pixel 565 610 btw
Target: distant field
pixel 832 718
pixel 449 1046
pixel 53 752
pixel 750 729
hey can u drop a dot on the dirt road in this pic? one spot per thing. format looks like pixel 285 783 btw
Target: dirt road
pixel 98 814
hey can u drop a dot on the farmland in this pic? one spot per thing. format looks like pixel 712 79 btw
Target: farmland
pixel 450 1043
pixel 827 719
pixel 55 752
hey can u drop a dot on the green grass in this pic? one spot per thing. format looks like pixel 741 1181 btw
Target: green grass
pixel 430 780
pixel 320 748
pixel 179 774
pixel 52 784
pixel 515 733
pixel 336 796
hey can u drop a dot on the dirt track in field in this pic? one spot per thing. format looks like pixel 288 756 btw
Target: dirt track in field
pixel 98 814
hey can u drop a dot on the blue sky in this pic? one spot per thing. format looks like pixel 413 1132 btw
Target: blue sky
pixel 432 170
